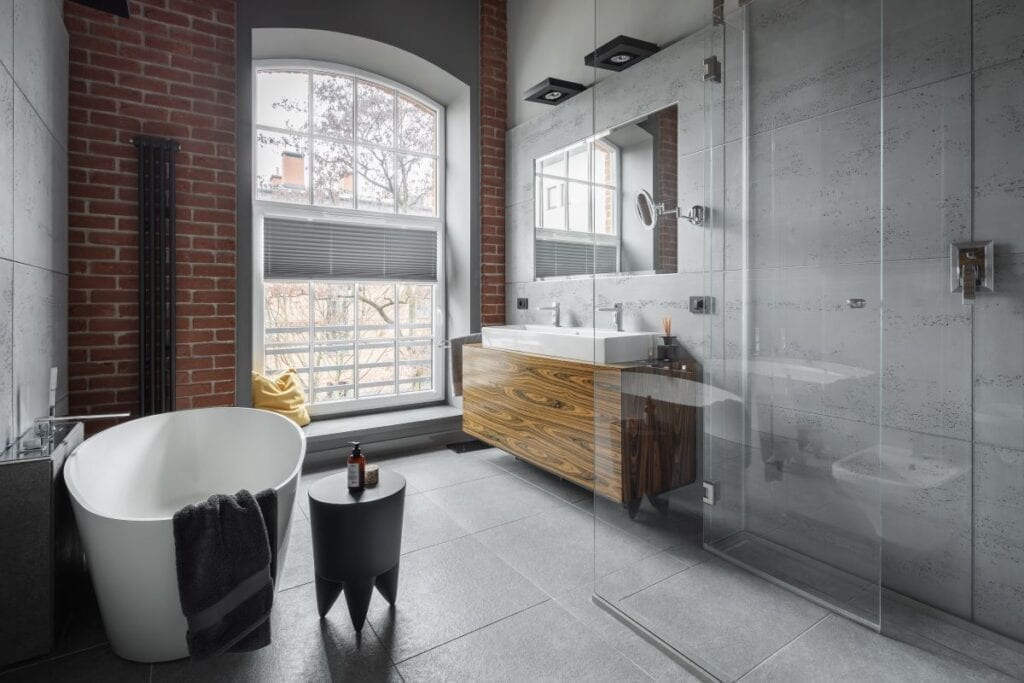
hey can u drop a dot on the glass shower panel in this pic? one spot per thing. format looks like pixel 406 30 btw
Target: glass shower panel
pixel 796 460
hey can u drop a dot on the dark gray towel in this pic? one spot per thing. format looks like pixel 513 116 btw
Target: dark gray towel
pixel 456 350
pixel 226 549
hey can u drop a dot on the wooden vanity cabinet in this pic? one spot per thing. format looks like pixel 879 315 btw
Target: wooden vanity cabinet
pixel 624 431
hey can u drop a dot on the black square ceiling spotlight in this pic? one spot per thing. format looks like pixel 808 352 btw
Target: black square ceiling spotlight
pixel 553 91
pixel 620 53
pixel 116 7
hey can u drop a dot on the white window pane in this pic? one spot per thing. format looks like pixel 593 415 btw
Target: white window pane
pixel 417 185
pixel 281 167
pixel 333 373
pixel 552 204
pixel 376 112
pixel 579 169
pixel 579 207
pixel 332 105
pixel 376 181
pixel 334 311
pixel 286 328
pixel 604 211
pixel 416 311
pixel 376 309
pixel 553 165
pixel 332 174
pixel 417 126
pixel 376 368
pixel 282 99
pixel 415 367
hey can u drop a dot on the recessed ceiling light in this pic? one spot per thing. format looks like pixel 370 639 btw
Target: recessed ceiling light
pixel 553 91
pixel 620 53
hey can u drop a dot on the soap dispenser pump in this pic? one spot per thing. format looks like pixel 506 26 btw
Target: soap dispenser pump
pixel 356 469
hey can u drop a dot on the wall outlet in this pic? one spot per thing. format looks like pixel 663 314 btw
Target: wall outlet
pixel 522 304
pixel 702 304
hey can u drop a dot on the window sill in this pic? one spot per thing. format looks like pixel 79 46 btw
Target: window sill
pixel 335 433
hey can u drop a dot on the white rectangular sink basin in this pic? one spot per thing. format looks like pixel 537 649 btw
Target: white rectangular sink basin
pixel 572 343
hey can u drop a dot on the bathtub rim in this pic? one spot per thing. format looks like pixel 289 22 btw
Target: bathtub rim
pixel 70 464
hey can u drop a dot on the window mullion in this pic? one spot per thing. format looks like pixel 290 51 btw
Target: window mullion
pixel 394 330
pixel 311 331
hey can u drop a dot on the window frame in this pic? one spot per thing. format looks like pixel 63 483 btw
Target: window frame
pixel 266 208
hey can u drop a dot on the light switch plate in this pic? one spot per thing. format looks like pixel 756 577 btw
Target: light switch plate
pixel 522 304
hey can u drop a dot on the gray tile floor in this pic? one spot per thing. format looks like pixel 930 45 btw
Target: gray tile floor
pixel 498 572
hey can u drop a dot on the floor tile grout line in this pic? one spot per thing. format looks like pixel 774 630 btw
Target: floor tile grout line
pixel 479 628
pixel 788 643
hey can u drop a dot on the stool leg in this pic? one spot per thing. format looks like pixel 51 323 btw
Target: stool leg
pixel 357 596
pixel 387 584
pixel 326 593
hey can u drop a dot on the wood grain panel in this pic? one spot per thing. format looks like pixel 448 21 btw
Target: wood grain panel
pixel 538 408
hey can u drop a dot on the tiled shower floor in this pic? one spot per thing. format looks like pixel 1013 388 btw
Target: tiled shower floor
pixel 496 583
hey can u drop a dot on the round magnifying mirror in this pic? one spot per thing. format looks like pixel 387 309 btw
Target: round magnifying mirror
pixel 646 211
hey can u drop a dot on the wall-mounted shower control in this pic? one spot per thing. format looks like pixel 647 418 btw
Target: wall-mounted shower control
pixel 972 269
pixel 712 69
pixel 710 492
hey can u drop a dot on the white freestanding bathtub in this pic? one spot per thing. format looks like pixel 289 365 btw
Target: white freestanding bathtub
pixel 127 482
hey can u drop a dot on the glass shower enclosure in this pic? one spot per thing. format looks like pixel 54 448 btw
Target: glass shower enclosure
pixel 856 414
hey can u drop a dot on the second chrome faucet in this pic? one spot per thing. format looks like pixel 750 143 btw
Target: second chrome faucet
pixel 556 313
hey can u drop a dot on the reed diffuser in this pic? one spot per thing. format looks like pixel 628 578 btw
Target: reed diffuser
pixel 666 351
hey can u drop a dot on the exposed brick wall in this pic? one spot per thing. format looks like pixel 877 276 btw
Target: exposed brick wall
pixel 167 71
pixel 493 73
pixel 667 190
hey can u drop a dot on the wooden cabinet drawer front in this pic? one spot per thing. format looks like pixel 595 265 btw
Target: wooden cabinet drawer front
pixel 540 409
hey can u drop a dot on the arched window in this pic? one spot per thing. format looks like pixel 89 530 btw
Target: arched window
pixel 348 202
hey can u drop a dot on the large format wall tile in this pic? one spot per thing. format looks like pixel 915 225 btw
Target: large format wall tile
pixel 998 31
pixel 927 170
pixel 999 155
pixel 926 353
pixel 41 62
pixel 40 338
pixel 999 539
pixel 519 266
pixel 811 57
pixel 925 41
pixel 6 357
pixel 40 192
pixel 6 33
pixel 6 165
pixel 999 357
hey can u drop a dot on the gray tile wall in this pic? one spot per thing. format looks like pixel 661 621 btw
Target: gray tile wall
pixel 33 209
pixel 849 195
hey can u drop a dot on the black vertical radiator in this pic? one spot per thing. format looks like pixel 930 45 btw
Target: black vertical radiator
pixel 156 273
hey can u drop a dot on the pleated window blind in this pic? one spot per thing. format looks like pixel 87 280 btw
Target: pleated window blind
pixel 555 258
pixel 314 250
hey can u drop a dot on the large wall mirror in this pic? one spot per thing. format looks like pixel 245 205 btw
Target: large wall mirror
pixel 585 217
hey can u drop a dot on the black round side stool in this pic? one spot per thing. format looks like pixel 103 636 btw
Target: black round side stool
pixel 357 541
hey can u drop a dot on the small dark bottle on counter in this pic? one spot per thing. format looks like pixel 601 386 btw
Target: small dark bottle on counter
pixel 356 469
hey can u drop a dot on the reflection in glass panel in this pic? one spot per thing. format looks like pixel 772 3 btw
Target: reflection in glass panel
pixel 332 105
pixel 332 174
pixel 579 209
pixel 415 362
pixel 417 185
pixel 551 206
pixel 578 167
pixel 376 181
pixel 605 167
pixel 333 311
pixel 415 311
pixel 604 210
pixel 282 99
pixel 286 327
pixel 417 126
pixel 376 311
pixel 553 165
pixel 281 167
pixel 376 112
pixel 333 372
pixel 376 368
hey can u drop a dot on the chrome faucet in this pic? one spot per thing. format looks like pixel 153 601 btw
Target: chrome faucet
pixel 556 313
pixel 616 309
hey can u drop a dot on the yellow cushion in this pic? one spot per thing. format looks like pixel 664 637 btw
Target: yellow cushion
pixel 282 394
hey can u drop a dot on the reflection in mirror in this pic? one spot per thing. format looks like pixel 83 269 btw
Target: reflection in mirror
pixel 587 216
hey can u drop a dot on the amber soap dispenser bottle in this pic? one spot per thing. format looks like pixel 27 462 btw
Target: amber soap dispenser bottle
pixel 356 469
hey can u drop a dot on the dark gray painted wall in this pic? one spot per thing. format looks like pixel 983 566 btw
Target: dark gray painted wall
pixel 444 32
